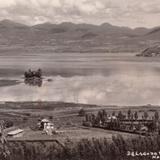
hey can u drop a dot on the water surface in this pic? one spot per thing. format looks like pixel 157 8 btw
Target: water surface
pixel 95 78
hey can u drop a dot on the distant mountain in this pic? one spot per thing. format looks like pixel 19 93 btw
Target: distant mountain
pixel 44 26
pixel 70 37
pixel 115 29
pixel 154 30
pixel 89 35
pixel 11 24
pixel 154 33
pixel 141 31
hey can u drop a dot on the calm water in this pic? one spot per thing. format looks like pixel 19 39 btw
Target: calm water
pixel 86 78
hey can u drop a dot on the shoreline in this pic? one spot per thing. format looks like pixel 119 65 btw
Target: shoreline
pixel 6 82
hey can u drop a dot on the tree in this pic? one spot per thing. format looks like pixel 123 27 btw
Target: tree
pixel 81 112
pixel 145 115
pixel 104 113
pixel 104 116
pixel 8 124
pixel 87 117
pixel 100 115
pixel 151 126
pixel 129 114
pixel 113 113
pixel 132 117
pixel 135 115
pixel 120 115
pixel 156 115
pixel 93 117
pixel 51 117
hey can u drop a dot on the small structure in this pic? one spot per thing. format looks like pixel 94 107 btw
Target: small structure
pixel 111 118
pixel 144 129
pixel 15 133
pixel 44 123
pixel 47 126
pixel 49 129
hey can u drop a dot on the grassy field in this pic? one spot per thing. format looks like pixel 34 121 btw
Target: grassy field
pixel 72 140
pixel 65 118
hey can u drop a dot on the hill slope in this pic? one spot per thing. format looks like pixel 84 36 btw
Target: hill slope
pixel 70 37
pixel 151 52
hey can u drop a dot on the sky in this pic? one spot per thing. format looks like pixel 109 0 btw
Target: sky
pixel 131 13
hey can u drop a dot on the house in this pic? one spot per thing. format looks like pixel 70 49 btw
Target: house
pixel 15 133
pixel 111 118
pixel 144 128
pixel 44 123
pixel 47 126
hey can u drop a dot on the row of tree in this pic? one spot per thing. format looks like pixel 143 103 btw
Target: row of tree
pixel 134 115
pixel 118 121
pixel 102 115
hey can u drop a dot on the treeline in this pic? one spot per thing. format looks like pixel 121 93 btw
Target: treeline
pixel 102 115
pixel 124 121
pixel 84 149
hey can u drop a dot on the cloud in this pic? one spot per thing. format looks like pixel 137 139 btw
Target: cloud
pixel 119 12
pixel 118 89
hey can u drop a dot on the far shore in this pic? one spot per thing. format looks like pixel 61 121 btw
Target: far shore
pixel 6 82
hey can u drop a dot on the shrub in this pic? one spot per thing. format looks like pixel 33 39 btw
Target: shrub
pixel 87 124
pixel 8 124
pixel 81 112
pixel 84 149
pixel 51 117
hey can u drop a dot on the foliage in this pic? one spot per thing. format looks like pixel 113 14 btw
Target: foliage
pixel 145 115
pixel 129 114
pixel 84 149
pixel 81 112
pixel 8 124
pixel 156 115
pixel 136 115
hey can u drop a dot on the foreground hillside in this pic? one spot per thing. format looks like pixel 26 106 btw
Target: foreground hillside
pixel 70 37
pixel 94 149
pixel 75 142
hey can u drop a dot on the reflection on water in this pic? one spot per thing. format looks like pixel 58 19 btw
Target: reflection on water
pixel 33 81
pixel 132 88
pixel 96 79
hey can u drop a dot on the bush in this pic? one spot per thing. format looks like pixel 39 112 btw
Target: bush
pixel 84 149
pixel 81 112
pixel 25 118
pixel 28 114
pixel 51 117
pixel 87 124
pixel 8 124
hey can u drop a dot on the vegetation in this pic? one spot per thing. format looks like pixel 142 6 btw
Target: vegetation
pixel 85 149
pixel 136 115
pixel 82 112
pixel 129 114
pixel 129 122
pixel 33 74
pixel 145 115
pixel 156 116
pixel 78 148
pixel 8 124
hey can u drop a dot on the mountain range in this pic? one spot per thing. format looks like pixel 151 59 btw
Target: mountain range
pixel 70 37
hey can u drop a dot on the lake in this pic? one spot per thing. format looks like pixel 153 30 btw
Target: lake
pixel 94 78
